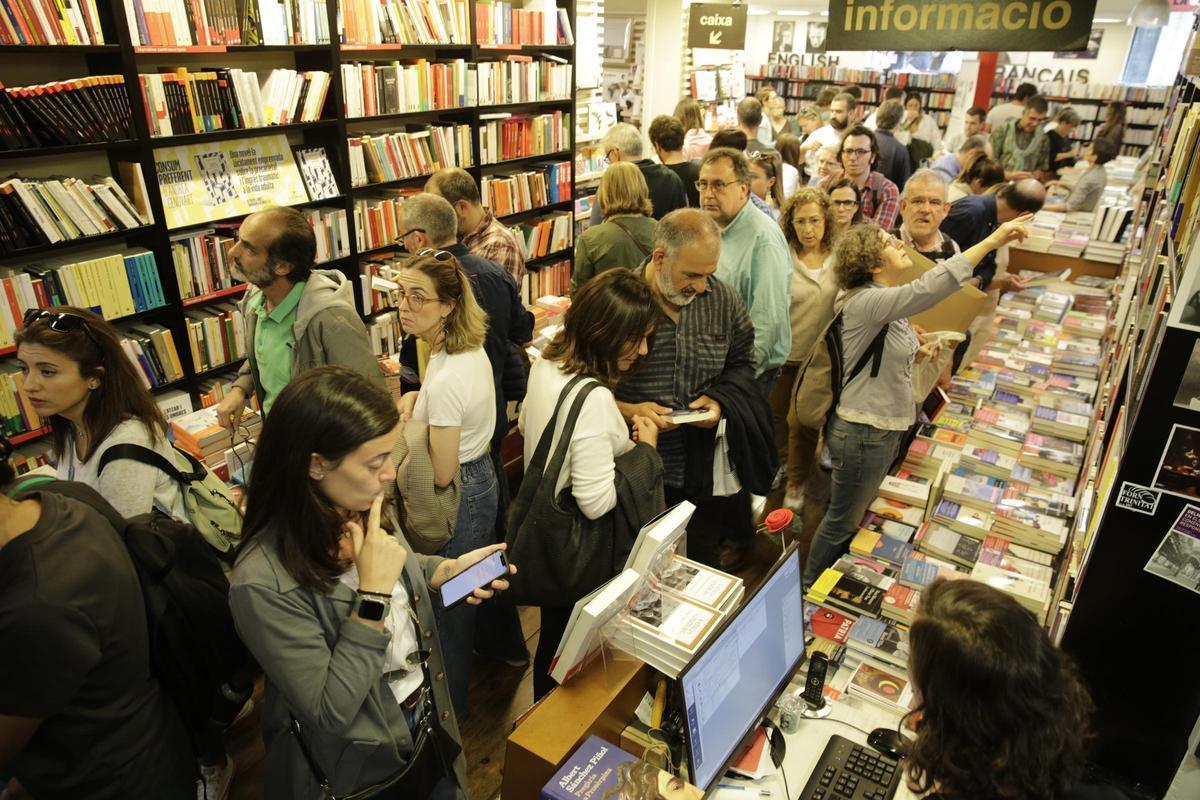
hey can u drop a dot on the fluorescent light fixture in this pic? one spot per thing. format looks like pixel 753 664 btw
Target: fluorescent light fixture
pixel 1107 21
pixel 1150 14
pixel 789 13
pixel 757 12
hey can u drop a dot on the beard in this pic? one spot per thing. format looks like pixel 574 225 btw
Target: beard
pixel 680 298
pixel 839 126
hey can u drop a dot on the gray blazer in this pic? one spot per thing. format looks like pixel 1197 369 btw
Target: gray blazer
pixel 329 673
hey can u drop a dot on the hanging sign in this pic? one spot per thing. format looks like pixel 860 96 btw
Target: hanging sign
pixel 929 25
pixel 718 26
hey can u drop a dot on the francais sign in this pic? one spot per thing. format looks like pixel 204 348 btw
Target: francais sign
pixel 718 26
pixel 930 25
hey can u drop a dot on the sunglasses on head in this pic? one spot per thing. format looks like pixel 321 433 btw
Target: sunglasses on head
pixel 61 321
pixel 438 255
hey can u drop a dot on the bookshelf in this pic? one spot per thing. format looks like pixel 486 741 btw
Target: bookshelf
pixel 1134 573
pixel 121 54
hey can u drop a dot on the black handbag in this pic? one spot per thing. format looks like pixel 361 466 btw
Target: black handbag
pixel 560 554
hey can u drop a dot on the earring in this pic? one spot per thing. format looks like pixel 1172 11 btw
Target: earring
pixel 93 386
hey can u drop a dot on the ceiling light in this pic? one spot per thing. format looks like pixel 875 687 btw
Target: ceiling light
pixel 1150 14
pixel 794 13
pixel 1107 21
pixel 757 12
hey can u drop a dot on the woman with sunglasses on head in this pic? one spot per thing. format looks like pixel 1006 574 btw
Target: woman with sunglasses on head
pixel 336 607
pixel 807 222
pixel 1002 711
pixel 603 336
pixel 845 197
pixel 457 399
pixel 879 346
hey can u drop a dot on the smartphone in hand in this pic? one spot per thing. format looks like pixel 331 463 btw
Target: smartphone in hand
pixel 460 587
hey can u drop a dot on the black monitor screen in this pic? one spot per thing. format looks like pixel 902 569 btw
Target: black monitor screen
pixel 731 683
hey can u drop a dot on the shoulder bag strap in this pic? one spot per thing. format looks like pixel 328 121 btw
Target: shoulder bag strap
pixel 144 455
pixel 874 351
pixel 538 462
pixel 645 250
pixel 322 781
pixel 564 439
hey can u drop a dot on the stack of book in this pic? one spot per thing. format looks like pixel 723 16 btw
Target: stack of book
pixel 216 336
pixel 541 236
pixel 520 79
pixel 151 348
pixel 370 89
pixel 39 211
pixel 181 102
pixel 367 22
pixel 420 150
pixel 503 137
pixel 200 434
pixel 72 111
pixel 512 192
pixel 64 23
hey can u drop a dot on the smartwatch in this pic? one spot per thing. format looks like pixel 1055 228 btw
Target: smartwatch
pixel 371 608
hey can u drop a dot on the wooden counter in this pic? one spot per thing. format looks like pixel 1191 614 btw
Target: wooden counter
pixel 1019 259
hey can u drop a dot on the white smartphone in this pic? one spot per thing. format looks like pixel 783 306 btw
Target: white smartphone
pixel 459 588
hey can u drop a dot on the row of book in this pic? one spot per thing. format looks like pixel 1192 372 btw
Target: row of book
pixel 38 211
pixel 32 22
pixel 539 22
pixel 385 333
pixel 858 77
pixel 503 137
pixel 1093 91
pixel 376 219
pixel 420 150
pixel 216 335
pixel 152 350
pixel 510 193
pixel 29 457
pixel 181 102
pixel 547 280
pixel 17 415
pixel 378 281
pixel 94 108
pixel 371 88
pixel 521 79
pixel 544 235
pixel 208 23
pixel 368 22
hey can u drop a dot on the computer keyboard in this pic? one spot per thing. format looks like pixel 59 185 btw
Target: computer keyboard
pixel 850 770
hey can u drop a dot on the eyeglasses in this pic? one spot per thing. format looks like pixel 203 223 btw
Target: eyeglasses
pixel 716 186
pixel 845 203
pixel 61 321
pixel 856 152
pixel 400 239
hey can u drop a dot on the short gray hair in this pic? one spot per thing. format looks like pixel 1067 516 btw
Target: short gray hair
pixel 1067 115
pixel 625 138
pixel 977 142
pixel 741 165
pixel 750 112
pixel 685 226
pixel 434 215
pixel 925 176
pixel 889 114
pixel 808 112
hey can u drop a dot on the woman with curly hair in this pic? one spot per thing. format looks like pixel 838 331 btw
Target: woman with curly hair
pixel 1002 712
pixel 808 226
pixel 879 345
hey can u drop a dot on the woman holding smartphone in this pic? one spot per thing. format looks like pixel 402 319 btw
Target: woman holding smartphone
pixel 336 607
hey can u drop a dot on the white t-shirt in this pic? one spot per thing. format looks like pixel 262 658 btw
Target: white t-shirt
pixel 132 487
pixel 600 436
pixel 458 392
pixel 824 136
pixel 791 180
pixel 405 678
pixel 1002 113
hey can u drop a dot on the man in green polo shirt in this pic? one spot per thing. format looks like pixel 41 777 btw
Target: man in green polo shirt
pixel 296 317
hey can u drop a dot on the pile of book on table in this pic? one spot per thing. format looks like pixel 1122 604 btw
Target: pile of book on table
pixel 224 451
pixel 660 609
pixel 986 491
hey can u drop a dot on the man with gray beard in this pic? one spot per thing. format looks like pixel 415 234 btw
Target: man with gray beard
pixel 703 336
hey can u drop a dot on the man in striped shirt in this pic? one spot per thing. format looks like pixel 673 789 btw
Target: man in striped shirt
pixel 478 229
pixel 703 331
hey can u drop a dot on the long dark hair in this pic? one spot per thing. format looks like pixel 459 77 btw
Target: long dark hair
pixel 96 348
pixel 330 411
pixel 1003 713
pixel 608 313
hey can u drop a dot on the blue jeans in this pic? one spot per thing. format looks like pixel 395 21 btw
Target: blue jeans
pixel 473 528
pixel 861 455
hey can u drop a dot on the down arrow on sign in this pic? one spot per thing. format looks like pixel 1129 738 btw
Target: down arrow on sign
pixel 714 38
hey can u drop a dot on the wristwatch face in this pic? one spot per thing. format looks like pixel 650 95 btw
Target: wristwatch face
pixel 370 609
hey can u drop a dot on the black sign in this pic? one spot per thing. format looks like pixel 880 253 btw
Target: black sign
pixel 932 25
pixel 717 26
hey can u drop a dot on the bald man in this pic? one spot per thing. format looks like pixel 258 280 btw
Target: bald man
pixel 973 218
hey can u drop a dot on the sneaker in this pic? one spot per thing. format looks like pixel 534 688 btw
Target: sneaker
pixel 794 497
pixel 216 780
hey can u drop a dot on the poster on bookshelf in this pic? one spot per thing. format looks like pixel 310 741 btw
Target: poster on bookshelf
pixel 1177 558
pixel 1179 467
pixel 205 182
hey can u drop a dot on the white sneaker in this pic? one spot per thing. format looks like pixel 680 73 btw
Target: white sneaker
pixel 794 498
pixel 215 781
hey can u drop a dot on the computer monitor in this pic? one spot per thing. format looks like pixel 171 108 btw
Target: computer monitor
pixel 729 685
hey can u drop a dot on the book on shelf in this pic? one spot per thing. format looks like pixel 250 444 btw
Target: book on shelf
pixel 331 230
pixel 912 492
pixel 548 279
pixel 202 261
pixel 377 222
pixel 521 79
pixel 973 490
pixel 181 101
pixel 1003 554
pixel 17 414
pixel 28 457
pixel 888 508
pixel 413 153
pixel 373 88
pixel 879 574
pixel 133 182
pixel 540 185
pixel 215 23
pixel 503 137
pixel 539 22
pixel 40 211
pixel 216 335
pixel 385 333
pixel 962 519
pixel 889 526
pixel 93 108
pixel 151 348
pixel 62 23
pixel 213 390
pixel 599 769
pixel 366 22
pixel 900 603
pixel 541 236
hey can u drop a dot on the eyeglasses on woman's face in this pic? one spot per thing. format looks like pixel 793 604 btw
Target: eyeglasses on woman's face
pixel 845 203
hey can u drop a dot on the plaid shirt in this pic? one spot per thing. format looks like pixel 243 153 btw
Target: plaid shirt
pixel 880 201
pixel 493 241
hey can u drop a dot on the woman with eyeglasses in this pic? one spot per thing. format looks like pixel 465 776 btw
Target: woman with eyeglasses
pixel 879 346
pixel 457 399
pixel 1002 711
pixel 807 222
pixel 338 610
pixel 845 197
pixel 623 238
pixel 765 183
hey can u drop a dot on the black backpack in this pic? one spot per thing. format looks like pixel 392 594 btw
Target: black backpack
pixel 194 649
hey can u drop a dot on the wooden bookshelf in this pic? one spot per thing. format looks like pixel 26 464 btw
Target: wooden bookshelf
pixel 121 56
